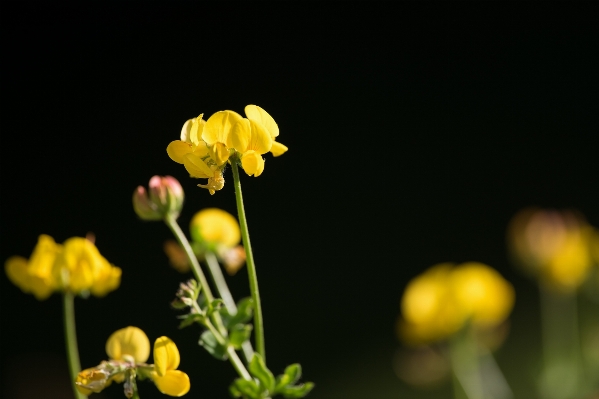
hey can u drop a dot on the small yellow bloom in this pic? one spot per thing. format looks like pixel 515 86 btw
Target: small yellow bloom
pixel 206 146
pixel 167 378
pixel 129 341
pixel 437 303
pixel 75 266
pixel 215 227
pixel 92 380
pixel 555 247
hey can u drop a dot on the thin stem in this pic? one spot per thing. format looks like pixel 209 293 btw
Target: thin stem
pixel 251 267
pixel 171 222
pixel 225 294
pixel 70 335
pixel 463 354
pixel 233 357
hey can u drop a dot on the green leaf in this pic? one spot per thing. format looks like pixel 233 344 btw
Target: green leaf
pixel 191 318
pixel 294 371
pixel 259 370
pixel 281 382
pixel 245 309
pixel 239 334
pixel 298 391
pixel 214 306
pixel 209 342
pixel 241 387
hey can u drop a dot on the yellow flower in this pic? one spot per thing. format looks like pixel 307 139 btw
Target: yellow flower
pixel 167 378
pixel 35 276
pixel 75 266
pixel 129 342
pixel 438 303
pixel 555 247
pixel 206 146
pixel 215 227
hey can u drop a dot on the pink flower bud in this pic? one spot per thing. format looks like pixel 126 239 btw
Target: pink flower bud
pixel 165 197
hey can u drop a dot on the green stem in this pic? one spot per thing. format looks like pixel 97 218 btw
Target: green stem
pixel 251 267
pixel 171 222
pixel 70 335
pixel 463 353
pixel 233 357
pixel 225 294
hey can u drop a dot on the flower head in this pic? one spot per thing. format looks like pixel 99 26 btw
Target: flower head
pixel 165 198
pixel 555 247
pixel 206 146
pixel 75 266
pixel 128 350
pixel 437 303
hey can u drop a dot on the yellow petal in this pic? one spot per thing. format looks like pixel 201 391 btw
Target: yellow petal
pixel 240 135
pixel 166 355
pixel 185 131
pixel 77 264
pixel 108 279
pixel 16 270
pixel 130 341
pixel 218 127
pixel 177 149
pixel 196 130
pixel 260 140
pixel 196 167
pixel 278 149
pixel 219 153
pixel 259 115
pixel 173 383
pixel 216 227
pixel 252 163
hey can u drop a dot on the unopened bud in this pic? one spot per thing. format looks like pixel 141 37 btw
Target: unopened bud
pixel 165 197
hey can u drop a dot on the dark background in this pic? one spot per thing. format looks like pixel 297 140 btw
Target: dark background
pixel 415 134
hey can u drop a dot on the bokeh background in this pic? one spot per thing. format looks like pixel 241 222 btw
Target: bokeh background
pixel 415 133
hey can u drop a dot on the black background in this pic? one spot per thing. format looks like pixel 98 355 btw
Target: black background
pixel 415 134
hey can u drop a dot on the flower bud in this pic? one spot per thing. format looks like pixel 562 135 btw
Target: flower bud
pixel 165 197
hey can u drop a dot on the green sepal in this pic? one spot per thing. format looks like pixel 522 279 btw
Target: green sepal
pixel 214 306
pixel 294 372
pixel 191 318
pixel 209 342
pixel 281 382
pixel 258 369
pixel 241 387
pixel 239 333
pixel 298 391
pixel 245 310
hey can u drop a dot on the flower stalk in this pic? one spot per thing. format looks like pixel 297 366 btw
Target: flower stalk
pixel 225 294
pixel 251 267
pixel 70 334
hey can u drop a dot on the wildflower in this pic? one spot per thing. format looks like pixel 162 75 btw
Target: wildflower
pixel 440 301
pixel 555 247
pixel 206 146
pixel 75 266
pixel 218 231
pixel 165 198
pixel 128 350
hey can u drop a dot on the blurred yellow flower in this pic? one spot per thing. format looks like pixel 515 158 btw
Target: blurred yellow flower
pixel 556 247
pixel 215 227
pixel 75 266
pixel 438 303
pixel 129 341
pixel 206 146
pixel 167 378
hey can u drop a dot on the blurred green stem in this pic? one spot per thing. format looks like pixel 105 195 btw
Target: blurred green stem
pixel 171 222
pixel 245 235
pixel 70 335
pixel 463 353
pixel 225 294
pixel 561 376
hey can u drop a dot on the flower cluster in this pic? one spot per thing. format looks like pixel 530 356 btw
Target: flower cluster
pixel 440 301
pixel 206 146
pixel 75 266
pixel 558 248
pixel 128 350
